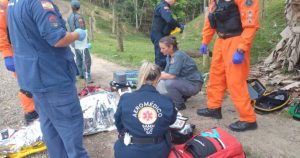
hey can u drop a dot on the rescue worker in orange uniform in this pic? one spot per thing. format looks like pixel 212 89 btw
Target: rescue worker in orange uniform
pixel 7 53
pixel 235 22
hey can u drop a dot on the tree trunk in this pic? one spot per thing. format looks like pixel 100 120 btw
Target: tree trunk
pixel 287 52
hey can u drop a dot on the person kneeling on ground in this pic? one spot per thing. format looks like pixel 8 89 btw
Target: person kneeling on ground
pixel 181 77
pixel 143 119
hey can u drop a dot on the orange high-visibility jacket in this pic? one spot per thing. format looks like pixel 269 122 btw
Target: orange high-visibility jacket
pixel 5 46
pixel 249 18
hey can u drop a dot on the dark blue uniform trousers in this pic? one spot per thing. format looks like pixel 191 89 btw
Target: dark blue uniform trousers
pixel 160 150
pixel 61 123
pixel 160 59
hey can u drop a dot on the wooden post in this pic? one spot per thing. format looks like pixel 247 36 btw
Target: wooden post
pixel 263 9
pixel 113 27
pixel 91 28
pixel 205 59
pixel 119 34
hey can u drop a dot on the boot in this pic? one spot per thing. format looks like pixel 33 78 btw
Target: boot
pixel 30 117
pixel 180 107
pixel 240 126
pixel 214 113
pixel 185 98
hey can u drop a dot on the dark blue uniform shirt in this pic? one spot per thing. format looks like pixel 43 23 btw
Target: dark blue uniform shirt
pixel 163 22
pixel 144 114
pixel 35 27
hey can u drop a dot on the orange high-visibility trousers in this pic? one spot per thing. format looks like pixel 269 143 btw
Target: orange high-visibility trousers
pixel 6 49
pixel 224 74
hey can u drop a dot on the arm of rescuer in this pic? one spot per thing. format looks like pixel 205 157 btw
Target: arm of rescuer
pixel 207 31
pixel 249 12
pixel 5 46
pixel 51 27
pixel 166 76
pixel 69 38
pixel 166 14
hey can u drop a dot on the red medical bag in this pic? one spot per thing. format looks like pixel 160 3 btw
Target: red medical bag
pixel 212 143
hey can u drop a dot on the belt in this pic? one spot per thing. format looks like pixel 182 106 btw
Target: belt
pixel 135 140
pixel 228 35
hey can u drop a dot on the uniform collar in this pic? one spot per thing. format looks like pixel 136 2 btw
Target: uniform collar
pixel 164 2
pixel 147 87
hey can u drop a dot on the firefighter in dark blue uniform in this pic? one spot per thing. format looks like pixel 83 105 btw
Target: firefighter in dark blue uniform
pixel 45 66
pixel 143 119
pixel 162 25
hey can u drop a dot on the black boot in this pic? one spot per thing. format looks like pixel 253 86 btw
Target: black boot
pixel 185 98
pixel 240 126
pixel 214 113
pixel 180 107
pixel 30 117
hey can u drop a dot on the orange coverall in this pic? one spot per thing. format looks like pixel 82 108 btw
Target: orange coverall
pixel 6 49
pixel 223 73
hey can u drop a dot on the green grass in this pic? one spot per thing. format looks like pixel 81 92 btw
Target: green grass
pixel 138 46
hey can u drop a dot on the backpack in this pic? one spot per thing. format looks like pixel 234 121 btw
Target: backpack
pixel 183 135
pixel 265 102
pixel 294 111
pixel 211 143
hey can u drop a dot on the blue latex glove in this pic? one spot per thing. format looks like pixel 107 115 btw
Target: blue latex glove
pixel 238 57
pixel 89 45
pixel 9 64
pixel 81 33
pixel 181 26
pixel 203 49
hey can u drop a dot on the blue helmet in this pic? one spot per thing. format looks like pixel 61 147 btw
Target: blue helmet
pixel 75 3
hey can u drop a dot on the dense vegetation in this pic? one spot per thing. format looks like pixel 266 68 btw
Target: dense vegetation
pixel 139 12
pixel 137 45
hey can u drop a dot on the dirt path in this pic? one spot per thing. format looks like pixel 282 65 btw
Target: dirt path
pixel 277 136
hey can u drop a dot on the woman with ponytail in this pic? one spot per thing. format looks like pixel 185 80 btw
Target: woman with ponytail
pixel 143 118
pixel 181 77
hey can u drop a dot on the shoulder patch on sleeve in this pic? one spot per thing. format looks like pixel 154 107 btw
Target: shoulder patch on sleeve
pixel 53 21
pixel 248 3
pixel 47 5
